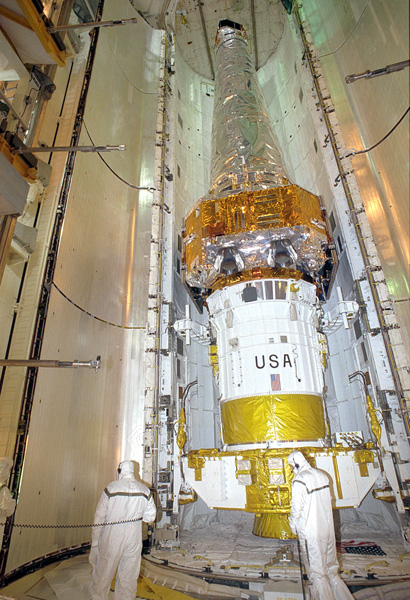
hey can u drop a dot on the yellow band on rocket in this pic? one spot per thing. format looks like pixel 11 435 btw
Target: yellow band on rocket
pixel 274 417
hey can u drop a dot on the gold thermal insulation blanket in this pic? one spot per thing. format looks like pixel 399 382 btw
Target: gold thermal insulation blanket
pixel 271 525
pixel 274 417
pixel 248 222
pixel 257 273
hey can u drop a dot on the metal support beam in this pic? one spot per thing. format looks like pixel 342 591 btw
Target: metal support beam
pixel 7 225
pixel 205 34
pixel 12 16
pixel 32 149
pixel 254 36
pixel 37 25
pixel 91 10
pixel 91 25
pixel 29 173
pixel 12 362
pixel 15 113
pixel 399 66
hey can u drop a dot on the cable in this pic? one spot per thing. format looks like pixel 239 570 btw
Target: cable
pixel 350 34
pixel 131 185
pixel 129 81
pixel 93 316
pixel 28 526
pixel 353 152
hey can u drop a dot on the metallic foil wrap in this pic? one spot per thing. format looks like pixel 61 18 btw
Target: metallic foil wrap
pixel 255 227
pixel 244 148
pixel 284 417
pixel 271 525
pixel 258 273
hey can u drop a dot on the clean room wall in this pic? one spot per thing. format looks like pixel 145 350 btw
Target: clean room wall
pixel 191 136
pixel 351 38
pixel 289 90
pixel 83 422
pixel 287 86
pixel 56 126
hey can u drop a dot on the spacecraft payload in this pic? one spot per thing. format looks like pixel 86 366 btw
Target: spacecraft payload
pixel 256 252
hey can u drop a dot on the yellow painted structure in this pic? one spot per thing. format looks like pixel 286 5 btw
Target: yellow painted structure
pixel 29 173
pixel 37 24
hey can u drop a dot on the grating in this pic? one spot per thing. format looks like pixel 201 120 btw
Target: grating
pixel 364 548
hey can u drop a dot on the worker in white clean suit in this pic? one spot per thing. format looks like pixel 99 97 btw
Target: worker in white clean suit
pixel 118 547
pixel 7 502
pixel 311 519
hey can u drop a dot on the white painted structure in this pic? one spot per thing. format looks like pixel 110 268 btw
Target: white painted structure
pixel 267 338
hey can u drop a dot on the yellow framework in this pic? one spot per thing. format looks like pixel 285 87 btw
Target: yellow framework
pixel 29 173
pixel 37 25
pixel 268 480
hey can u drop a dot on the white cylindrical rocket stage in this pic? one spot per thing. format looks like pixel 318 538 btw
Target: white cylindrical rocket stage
pixel 271 361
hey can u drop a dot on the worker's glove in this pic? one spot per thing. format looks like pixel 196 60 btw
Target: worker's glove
pixel 92 559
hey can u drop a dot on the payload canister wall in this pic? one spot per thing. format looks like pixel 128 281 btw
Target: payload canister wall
pixel 257 249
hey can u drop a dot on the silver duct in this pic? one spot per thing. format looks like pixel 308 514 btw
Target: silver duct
pixel 244 146
pixel 252 217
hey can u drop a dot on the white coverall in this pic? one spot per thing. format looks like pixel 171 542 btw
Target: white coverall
pixel 311 519
pixel 119 546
